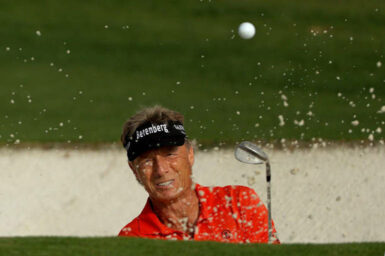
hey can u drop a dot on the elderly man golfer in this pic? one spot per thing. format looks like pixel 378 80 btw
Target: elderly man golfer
pixel 161 158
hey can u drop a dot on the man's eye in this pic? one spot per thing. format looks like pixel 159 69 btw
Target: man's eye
pixel 146 162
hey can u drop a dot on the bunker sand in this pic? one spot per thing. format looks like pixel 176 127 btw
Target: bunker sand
pixel 324 195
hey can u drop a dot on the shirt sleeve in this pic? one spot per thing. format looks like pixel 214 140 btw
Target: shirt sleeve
pixel 131 229
pixel 254 218
pixel 126 231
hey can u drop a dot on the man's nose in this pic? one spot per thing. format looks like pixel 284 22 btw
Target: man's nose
pixel 160 165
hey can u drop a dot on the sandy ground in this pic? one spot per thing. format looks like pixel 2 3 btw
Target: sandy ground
pixel 321 195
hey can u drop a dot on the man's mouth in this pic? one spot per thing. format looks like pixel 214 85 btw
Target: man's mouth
pixel 165 184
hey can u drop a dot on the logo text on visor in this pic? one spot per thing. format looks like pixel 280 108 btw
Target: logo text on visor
pixel 151 130
pixel 150 136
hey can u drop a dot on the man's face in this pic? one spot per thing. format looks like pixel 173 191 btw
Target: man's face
pixel 165 172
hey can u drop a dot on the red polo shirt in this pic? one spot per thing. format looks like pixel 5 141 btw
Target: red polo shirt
pixel 227 214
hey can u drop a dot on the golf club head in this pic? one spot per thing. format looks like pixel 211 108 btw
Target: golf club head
pixel 249 153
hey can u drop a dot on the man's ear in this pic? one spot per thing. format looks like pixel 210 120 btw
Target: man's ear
pixel 131 166
pixel 191 157
pixel 134 170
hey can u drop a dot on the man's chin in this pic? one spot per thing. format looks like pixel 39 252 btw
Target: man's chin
pixel 167 195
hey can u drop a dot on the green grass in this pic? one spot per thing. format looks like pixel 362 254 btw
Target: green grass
pixel 130 246
pixel 186 55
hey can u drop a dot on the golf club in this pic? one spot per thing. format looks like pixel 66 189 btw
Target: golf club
pixel 249 153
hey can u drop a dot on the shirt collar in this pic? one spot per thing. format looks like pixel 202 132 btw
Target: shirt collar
pixel 151 225
pixel 204 201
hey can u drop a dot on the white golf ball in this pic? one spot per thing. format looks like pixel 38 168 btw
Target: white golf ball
pixel 246 30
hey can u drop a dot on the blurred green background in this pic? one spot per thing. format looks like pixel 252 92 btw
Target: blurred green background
pixel 74 71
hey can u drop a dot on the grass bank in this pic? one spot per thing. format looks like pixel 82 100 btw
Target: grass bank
pixel 56 246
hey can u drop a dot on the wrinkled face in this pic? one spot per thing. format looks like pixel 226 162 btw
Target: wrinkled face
pixel 166 172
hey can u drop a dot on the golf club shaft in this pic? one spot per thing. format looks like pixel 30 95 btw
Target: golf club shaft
pixel 268 179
